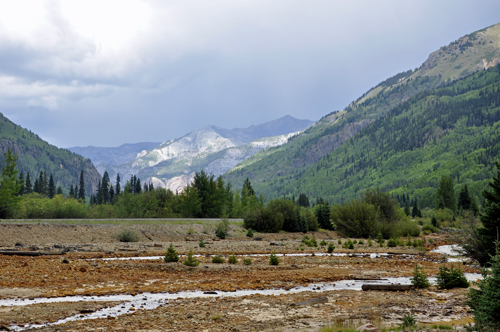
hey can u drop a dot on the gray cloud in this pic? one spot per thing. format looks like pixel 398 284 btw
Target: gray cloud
pixel 155 70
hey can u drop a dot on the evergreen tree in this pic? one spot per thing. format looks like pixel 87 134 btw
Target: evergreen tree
pixel 138 186
pixel 414 211
pixel 464 200
pixel 145 188
pixel 21 182
pixel 323 215
pixel 118 188
pixel 28 189
pixel 407 207
pixel 111 193
pixel 105 188
pixel 133 183
pixel 490 219
pixel 151 187
pixel 81 189
pixel 51 190
pixel 445 196
pixel 76 191
pixel 59 190
pixel 71 192
pixel 99 196
pixel 249 187
pixel 9 186
pixel 36 187
pixel 41 185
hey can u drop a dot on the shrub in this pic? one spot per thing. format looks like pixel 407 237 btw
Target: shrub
pixel 348 244
pixel 128 235
pixel 201 243
pixel 247 261
pixel 264 220
pixel 221 233
pixel 361 242
pixel 222 228
pixel 217 259
pixel 323 243
pixel 430 228
pixel 331 247
pixel 273 259
pixel 190 260
pixel 392 242
pixel 426 232
pixel 409 322
pixel 232 259
pixel 370 243
pixel 339 241
pixel 420 279
pixel 171 255
pixel 380 238
pixel 250 232
pixel 451 278
pixel 485 301
pixel 309 242
pixel 355 218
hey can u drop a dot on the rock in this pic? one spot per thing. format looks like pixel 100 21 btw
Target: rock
pixel 82 269
pixel 65 261
pixel 18 244
pixel 367 327
pixel 322 299
pixel 258 239
pixel 210 292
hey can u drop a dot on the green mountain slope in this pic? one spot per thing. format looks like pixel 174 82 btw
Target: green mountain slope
pixel 453 130
pixel 36 155
pixel 472 53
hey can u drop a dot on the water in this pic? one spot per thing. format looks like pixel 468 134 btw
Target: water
pixel 149 301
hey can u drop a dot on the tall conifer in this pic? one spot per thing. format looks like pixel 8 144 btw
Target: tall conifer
pixel 81 189
pixel 51 190
pixel 28 189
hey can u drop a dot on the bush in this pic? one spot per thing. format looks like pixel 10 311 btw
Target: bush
pixel 263 220
pixel 451 278
pixel 222 228
pixel 361 242
pixel 392 242
pixel 128 235
pixel 323 243
pixel 409 322
pixel 348 244
pixel 201 243
pixel 370 243
pixel 485 301
pixel 232 259
pixel 250 232
pixel 217 259
pixel 331 247
pixel 339 241
pixel 190 260
pixel 355 218
pixel 273 259
pixel 420 279
pixel 309 242
pixel 171 255
pixel 429 227
pixel 311 219
pixel 247 261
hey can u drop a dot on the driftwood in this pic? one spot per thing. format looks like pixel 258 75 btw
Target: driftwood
pixel 30 253
pixel 386 287
pixel 322 299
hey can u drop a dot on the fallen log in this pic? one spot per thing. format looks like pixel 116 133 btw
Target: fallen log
pixel 386 287
pixel 30 253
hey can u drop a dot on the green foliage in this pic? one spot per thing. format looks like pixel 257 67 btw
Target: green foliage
pixel 451 278
pixel 247 261
pixel 128 235
pixel 380 239
pixel 232 259
pixel 430 228
pixel 409 322
pixel 273 259
pixel 311 219
pixel 250 232
pixel 309 242
pixel 339 241
pixel 323 243
pixel 331 247
pixel 222 228
pixel 264 220
pixel 190 260
pixel 445 195
pixel 348 244
pixel 171 255
pixel 355 218
pixel 370 243
pixel 9 186
pixel 201 244
pixel 485 301
pixel 393 242
pixel 419 279
pixel 323 216
pixel 361 242
pixel 217 259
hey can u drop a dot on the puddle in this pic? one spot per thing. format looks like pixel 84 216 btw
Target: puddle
pixel 453 250
pixel 149 301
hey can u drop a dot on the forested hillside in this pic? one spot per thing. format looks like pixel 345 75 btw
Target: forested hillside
pixel 274 172
pixel 453 130
pixel 36 155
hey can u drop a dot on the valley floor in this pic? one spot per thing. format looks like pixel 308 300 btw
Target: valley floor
pixel 138 294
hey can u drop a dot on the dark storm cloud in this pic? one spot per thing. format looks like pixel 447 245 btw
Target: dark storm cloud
pixel 155 70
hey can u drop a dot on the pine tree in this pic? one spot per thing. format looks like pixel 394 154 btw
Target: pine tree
pixel 51 190
pixel 59 190
pixel 76 191
pixel 9 186
pixel 445 196
pixel 40 186
pixel 105 188
pixel 28 189
pixel 81 189
pixel 490 219
pixel 138 186
pixel 118 188
pixel 133 182
pixel 151 187
pixel 99 196
pixel 71 192
pixel 464 200
pixel 145 188
pixel 22 190
pixel 414 211
pixel 249 187
pixel 407 207
pixel 111 193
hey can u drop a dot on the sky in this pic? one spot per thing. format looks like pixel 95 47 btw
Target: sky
pixel 109 72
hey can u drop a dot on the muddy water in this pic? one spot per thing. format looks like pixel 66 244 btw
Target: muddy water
pixel 149 301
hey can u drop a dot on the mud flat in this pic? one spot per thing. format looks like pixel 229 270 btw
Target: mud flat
pixel 81 290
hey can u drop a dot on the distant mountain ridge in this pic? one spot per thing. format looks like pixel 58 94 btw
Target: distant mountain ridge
pixel 172 164
pixel 35 155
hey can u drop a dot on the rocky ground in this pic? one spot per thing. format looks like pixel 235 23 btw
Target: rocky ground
pixel 72 265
